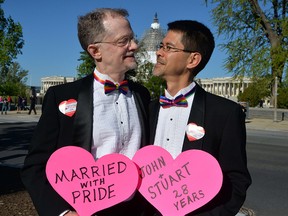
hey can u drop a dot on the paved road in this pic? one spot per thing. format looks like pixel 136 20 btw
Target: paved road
pixel 267 162
pixel 15 135
pixel 14 142
pixel 15 138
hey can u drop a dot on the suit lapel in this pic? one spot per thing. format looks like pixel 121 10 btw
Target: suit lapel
pixel 154 108
pixel 142 115
pixel 197 117
pixel 83 128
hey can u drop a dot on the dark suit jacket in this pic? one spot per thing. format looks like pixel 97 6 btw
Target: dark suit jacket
pixel 55 130
pixel 225 139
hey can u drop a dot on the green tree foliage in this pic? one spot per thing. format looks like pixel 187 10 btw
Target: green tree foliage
pixel 282 98
pixel 258 90
pixel 11 42
pixel 156 86
pixel 86 66
pixel 143 75
pixel 14 81
pixel 257 36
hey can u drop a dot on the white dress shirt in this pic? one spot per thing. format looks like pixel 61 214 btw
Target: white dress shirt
pixel 116 126
pixel 172 124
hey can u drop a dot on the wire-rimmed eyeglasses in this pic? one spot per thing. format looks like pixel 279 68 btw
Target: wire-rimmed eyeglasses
pixel 125 41
pixel 168 48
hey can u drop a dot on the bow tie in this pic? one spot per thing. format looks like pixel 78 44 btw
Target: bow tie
pixel 121 87
pixel 110 86
pixel 179 101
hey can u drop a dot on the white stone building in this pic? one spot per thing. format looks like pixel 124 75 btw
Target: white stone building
pixel 47 82
pixel 227 87
pixel 150 41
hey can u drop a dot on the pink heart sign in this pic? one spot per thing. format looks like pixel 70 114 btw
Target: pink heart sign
pixel 90 186
pixel 180 186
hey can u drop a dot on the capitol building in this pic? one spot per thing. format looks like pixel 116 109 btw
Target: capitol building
pixel 150 41
pixel 47 82
pixel 227 87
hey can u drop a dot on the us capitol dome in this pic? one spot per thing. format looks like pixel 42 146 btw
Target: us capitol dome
pixel 151 39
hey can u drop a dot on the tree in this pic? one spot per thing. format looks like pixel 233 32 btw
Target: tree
pixel 257 33
pixel 87 65
pixel 11 42
pixel 258 90
pixel 282 99
pixel 143 75
pixel 156 86
pixel 14 81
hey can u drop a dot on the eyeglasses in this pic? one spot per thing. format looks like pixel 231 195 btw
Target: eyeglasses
pixel 168 48
pixel 125 41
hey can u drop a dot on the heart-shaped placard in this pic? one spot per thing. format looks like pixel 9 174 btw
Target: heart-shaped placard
pixel 88 185
pixel 68 107
pixel 180 186
pixel 194 132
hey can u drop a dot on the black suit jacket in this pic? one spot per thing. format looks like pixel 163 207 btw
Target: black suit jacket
pixel 225 139
pixel 56 130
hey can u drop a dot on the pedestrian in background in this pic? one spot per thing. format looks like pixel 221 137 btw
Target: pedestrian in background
pixel 9 100
pixel 19 104
pixel 4 106
pixel 32 104
pixel 1 102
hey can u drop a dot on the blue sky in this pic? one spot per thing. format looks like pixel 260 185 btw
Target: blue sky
pixel 50 30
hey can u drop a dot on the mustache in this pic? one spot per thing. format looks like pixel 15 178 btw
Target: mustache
pixel 161 61
pixel 130 55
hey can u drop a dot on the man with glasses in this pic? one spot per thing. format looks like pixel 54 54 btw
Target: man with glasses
pixel 188 117
pixel 103 112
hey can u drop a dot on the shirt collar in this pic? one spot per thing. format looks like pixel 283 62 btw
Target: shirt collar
pixel 181 91
pixel 103 76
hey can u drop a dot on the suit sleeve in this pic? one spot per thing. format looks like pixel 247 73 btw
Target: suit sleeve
pixel 233 161
pixel 43 144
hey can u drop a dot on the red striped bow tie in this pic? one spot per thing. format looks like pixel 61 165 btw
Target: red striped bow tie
pixel 110 86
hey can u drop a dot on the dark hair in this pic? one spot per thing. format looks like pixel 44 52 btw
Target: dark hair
pixel 196 37
pixel 91 28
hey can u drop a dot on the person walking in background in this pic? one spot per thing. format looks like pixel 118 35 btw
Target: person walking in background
pixel 9 100
pixel 183 53
pixel 19 104
pixel 261 102
pixel 4 106
pixel 32 104
pixel 1 102
pixel 24 103
pixel 101 120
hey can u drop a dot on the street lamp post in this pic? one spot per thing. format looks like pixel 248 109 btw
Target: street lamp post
pixel 275 99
